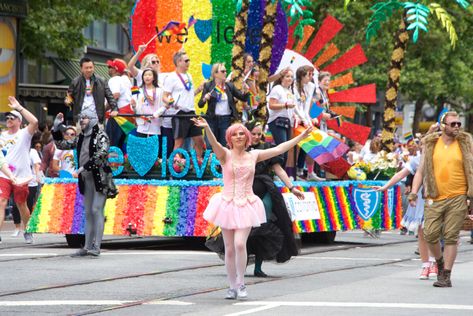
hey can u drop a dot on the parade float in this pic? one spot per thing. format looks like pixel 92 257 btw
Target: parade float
pixel 166 197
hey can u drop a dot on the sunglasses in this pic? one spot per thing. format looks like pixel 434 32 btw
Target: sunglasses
pixel 187 60
pixel 155 62
pixel 455 124
pixel 223 71
pixel 70 134
pixel 10 118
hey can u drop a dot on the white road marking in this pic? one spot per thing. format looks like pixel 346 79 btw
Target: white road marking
pixel 87 302
pixel 253 310
pixel 28 254
pixel 270 304
pixel 115 253
pixel 348 258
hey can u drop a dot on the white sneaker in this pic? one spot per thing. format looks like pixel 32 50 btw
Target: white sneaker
pixel 313 177
pixel 242 293
pixel 28 238
pixel 16 233
pixel 231 294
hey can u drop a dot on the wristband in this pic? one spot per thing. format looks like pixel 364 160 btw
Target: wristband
pixel 291 188
pixel 20 110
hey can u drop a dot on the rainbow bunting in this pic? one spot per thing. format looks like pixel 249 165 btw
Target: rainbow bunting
pixel 124 124
pixel 321 147
pixel 175 208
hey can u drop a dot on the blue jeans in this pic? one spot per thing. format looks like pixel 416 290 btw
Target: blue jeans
pixel 280 135
pixel 219 126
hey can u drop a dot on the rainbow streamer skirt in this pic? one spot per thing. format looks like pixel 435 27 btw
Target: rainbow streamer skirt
pixel 175 207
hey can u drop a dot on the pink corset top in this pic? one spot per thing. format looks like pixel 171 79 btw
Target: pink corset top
pixel 238 180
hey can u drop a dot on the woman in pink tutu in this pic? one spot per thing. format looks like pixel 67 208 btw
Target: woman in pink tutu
pixel 236 209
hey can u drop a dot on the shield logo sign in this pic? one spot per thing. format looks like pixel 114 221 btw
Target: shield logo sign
pixel 142 152
pixel 366 202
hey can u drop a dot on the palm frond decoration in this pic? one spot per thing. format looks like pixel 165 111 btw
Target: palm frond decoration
pixel 297 10
pixel 446 20
pixel 382 11
pixel 463 3
pixel 417 15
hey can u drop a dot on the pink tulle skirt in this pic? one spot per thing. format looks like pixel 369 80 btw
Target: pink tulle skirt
pixel 228 215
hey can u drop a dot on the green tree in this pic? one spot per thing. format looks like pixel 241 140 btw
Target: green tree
pixel 414 17
pixel 56 26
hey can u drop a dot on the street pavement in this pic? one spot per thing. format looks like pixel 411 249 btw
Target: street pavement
pixel 357 275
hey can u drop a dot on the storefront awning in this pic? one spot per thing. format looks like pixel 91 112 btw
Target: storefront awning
pixel 41 91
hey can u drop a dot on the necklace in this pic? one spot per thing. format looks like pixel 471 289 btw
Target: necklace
pixel 186 83
pixel 149 99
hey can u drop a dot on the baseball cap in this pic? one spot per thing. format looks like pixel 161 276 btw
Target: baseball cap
pixel 15 114
pixel 117 64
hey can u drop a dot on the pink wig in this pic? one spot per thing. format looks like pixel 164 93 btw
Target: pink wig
pixel 232 130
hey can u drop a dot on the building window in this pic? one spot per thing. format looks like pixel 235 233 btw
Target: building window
pixel 105 36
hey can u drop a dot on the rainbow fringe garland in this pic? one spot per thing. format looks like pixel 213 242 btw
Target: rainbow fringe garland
pixel 175 207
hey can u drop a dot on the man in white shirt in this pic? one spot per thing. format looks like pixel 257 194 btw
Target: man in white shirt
pixel 17 142
pixel 179 88
pixel 120 86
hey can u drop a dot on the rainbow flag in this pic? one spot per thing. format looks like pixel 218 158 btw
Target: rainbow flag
pixel 124 124
pixel 170 28
pixel 408 137
pixel 252 101
pixel 219 90
pixel 135 90
pixel 320 146
pixel 315 110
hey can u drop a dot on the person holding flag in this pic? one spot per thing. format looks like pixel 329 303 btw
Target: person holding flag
pixel 219 95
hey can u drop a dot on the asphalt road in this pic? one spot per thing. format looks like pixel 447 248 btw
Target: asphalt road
pixel 356 275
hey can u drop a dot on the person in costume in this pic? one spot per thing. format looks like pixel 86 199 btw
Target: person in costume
pixel 94 173
pixel 219 95
pixel 273 240
pixel 236 209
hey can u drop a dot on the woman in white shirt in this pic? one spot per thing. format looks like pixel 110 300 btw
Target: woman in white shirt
pixel 281 111
pixel 304 91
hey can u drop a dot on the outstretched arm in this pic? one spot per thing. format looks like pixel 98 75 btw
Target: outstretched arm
pixel 131 64
pixel 283 147
pixel 395 179
pixel 217 148
pixel 29 117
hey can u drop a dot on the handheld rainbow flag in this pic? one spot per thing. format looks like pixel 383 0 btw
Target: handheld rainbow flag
pixel 191 21
pixel 320 146
pixel 135 90
pixel 441 115
pixel 169 28
pixel 124 124
pixel 408 136
pixel 252 100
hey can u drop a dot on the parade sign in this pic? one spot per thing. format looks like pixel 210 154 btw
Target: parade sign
pixel 301 210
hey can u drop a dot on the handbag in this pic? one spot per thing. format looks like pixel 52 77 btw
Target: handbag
pixel 283 122
pixel 214 241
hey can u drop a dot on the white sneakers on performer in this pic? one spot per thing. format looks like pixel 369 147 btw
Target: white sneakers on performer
pixel 231 294
pixel 242 293
pixel 16 233
pixel 313 177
